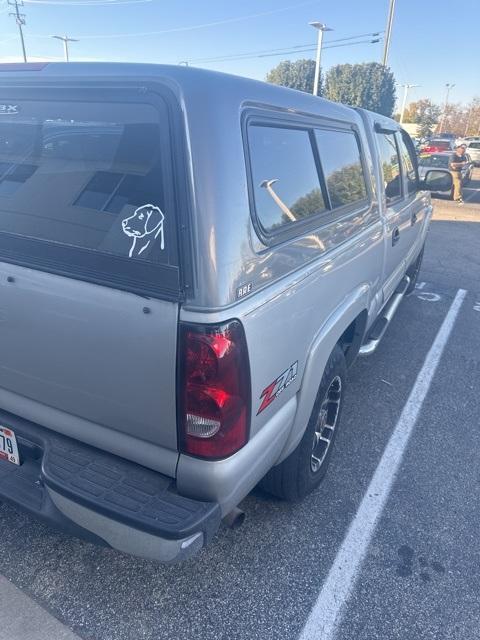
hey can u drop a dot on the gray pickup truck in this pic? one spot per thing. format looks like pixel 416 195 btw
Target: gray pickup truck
pixel 189 262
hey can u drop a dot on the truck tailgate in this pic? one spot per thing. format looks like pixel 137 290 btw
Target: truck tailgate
pixel 104 355
pixel 89 266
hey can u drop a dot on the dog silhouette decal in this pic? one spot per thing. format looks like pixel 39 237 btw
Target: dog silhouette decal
pixel 145 225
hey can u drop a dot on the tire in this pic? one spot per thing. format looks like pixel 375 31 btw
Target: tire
pixel 302 471
pixel 413 271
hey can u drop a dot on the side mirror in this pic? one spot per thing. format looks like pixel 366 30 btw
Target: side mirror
pixel 437 180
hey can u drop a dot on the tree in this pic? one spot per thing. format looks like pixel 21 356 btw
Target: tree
pixel 295 75
pixel 424 113
pixel 472 124
pixel 368 85
pixel 462 119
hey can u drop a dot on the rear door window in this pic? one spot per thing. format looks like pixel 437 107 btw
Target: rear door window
pixel 91 178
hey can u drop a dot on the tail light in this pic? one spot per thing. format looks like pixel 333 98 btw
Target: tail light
pixel 214 389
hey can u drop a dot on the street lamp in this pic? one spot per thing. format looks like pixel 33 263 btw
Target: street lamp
pixel 321 28
pixel 404 102
pixel 65 40
pixel 448 87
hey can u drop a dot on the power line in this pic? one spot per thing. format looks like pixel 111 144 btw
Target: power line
pixel 194 27
pixel 298 47
pixel 191 27
pixel 273 53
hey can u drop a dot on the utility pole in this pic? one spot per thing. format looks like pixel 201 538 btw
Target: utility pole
pixel 448 87
pixel 404 102
pixel 321 28
pixel 65 40
pixel 388 33
pixel 20 20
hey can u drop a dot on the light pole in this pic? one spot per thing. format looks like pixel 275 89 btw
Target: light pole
pixel 404 102
pixel 448 87
pixel 65 40
pixel 321 28
pixel 388 33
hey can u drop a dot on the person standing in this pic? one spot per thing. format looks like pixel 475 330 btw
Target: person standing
pixel 457 162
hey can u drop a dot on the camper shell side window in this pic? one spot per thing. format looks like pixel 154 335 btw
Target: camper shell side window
pixel 303 175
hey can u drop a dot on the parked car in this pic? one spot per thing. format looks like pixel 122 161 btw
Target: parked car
pixel 437 145
pixel 183 291
pixel 466 140
pixel 428 161
pixel 473 151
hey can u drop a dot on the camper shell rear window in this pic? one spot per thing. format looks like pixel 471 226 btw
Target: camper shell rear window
pixel 86 187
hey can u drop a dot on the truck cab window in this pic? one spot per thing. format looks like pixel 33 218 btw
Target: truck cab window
pixel 389 159
pixel 409 162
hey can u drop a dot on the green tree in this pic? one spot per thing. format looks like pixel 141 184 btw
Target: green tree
pixel 368 85
pixel 295 75
pixel 307 205
pixel 424 113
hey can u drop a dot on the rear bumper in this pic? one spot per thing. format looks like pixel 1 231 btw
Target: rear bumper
pixel 103 498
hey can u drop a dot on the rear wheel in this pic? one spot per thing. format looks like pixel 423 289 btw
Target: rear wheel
pixel 307 465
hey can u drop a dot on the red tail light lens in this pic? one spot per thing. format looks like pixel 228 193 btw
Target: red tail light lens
pixel 214 385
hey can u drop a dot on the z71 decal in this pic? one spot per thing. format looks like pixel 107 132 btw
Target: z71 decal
pixel 275 388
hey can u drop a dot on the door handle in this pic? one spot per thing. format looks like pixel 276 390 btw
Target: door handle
pixel 395 236
pixel 414 218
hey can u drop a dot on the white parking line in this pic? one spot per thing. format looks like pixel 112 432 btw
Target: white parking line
pixel 326 613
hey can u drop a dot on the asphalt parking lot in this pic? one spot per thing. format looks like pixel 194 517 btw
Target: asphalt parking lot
pixel 420 575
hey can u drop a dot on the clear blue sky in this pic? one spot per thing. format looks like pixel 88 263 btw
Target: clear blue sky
pixel 426 48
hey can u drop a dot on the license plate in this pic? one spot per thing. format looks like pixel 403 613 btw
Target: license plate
pixel 8 446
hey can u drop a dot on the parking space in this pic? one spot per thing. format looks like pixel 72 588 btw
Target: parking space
pixel 420 575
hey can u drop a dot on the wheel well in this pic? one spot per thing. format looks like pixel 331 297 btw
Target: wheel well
pixel 351 339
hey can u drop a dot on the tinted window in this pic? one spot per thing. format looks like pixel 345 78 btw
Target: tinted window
pixel 390 166
pixel 81 174
pixel 342 167
pixel 285 178
pixel 409 162
pixel 474 145
pixel 434 160
pixel 440 144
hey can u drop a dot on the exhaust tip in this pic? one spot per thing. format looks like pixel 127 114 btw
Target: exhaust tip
pixel 234 519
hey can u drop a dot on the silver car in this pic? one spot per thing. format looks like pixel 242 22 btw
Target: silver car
pixel 189 262
pixel 473 150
